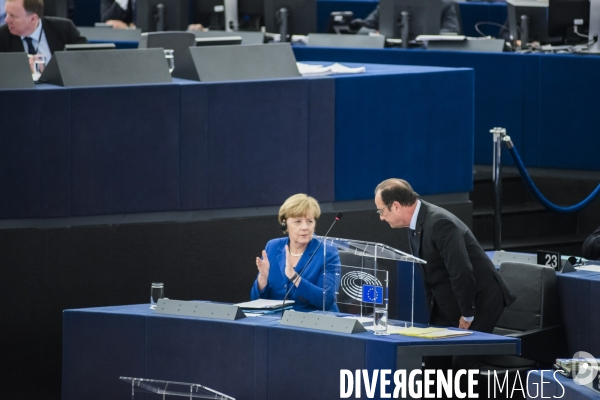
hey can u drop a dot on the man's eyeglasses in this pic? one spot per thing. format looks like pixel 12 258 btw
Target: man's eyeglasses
pixel 380 210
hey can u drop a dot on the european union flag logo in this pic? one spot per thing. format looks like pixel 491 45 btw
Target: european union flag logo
pixel 372 294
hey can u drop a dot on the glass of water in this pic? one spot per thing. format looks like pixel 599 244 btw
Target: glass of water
pixel 156 292
pixel 37 63
pixel 170 56
pixel 380 322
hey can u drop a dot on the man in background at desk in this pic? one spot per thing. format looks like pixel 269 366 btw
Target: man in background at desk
pixel 591 246
pixel 118 13
pixel 27 29
pixel 2 12
pixel 462 285
pixel 449 20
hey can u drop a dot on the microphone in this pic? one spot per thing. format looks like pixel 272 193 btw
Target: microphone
pixel 338 216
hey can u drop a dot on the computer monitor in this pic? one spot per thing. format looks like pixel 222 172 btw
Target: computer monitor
pixel 211 14
pixel 292 17
pixel 562 13
pixel 528 21
pixel 339 22
pixel 90 46
pixel 407 19
pixel 162 15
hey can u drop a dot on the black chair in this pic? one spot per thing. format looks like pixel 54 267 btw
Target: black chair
pixel 534 317
pixel 179 42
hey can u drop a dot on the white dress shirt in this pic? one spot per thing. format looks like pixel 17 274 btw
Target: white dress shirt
pixel 39 42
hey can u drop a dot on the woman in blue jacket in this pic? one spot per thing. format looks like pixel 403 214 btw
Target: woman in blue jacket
pixel 284 263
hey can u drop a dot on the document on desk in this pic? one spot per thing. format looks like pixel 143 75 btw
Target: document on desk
pixel 430 333
pixel 264 304
pixel 321 70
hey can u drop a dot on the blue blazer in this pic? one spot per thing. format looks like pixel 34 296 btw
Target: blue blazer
pixel 309 293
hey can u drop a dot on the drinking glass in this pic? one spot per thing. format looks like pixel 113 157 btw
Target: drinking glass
pixel 169 55
pixel 37 63
pixel 156 292
pixel 380 321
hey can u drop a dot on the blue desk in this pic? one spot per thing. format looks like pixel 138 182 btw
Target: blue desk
pixel 540 99
pixel 190 146
pixel 556 386
pixel 252 358
pixel 579 296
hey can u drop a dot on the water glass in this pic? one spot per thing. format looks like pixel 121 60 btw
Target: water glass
pixel 156 292
pixel 380 321
pixel 38 63
pixel 170 56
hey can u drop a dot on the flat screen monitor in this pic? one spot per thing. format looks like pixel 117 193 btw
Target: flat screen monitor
pixel 162 15
pixel 424 17
pixel 210 13
pixel 302 16
pixel 562 13
pixel 90 46
pixel 528 21
pixel 218 41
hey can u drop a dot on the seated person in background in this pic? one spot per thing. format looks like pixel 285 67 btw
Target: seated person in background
pixel 117 13
pixel 591 246
pixel 449 19
pixel 283 259
pixel 2 12
pixel 120 14
pixel 28 30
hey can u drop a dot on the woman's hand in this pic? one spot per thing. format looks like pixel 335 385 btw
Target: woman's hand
pixel 289 268
pixel 263 266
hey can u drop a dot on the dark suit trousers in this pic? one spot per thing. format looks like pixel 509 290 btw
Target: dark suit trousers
pixel 489 309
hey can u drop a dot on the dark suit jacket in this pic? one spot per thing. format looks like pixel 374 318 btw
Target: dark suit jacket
pixel 58 31
pixel 110 9
pixel 309 293
pixel 458 271
pixel 591 246
pixel 449 18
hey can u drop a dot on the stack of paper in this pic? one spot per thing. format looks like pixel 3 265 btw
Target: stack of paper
pixel 430 333
pixel 264 304
pixel 320 70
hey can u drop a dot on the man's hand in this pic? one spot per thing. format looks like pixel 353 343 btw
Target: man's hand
pixel 462 324
pixel 116 24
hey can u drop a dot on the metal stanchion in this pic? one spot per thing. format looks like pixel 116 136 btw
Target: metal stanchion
pixel 499 137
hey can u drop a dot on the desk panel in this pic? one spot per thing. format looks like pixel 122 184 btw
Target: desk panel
pixel 404 137
pixel 528 94
pixel 20 153
pixel 125 153
pixel 252 358
pixel 191 145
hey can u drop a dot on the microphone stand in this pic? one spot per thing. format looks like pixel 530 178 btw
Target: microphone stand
pixel 338 216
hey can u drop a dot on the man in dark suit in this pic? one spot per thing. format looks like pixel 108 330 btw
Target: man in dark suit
pixel 26 29
pixel 118 13
pixel 462 285
pixel 448 23
pixel 591 246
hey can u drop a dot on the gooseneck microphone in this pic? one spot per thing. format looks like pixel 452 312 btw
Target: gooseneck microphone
pixel 338 216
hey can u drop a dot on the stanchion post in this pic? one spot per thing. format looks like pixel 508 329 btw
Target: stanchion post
pixel 499 134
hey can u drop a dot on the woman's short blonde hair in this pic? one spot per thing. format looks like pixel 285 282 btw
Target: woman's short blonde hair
pixel 299 205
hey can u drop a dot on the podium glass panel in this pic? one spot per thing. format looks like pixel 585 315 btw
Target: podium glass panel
pixel 362 290
pixel 168 388
pixel 364 251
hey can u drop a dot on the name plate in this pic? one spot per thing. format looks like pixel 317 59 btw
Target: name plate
pixel 199 309
pixel 321 322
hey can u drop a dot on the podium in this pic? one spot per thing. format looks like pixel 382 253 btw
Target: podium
pixel 361 288
pixel 169 388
